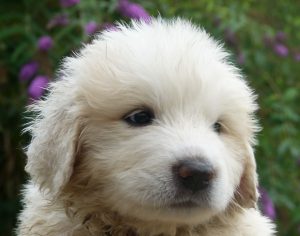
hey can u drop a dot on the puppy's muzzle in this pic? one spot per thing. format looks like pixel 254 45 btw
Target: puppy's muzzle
pixel 193 175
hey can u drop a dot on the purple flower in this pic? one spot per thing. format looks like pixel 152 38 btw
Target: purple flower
pixel 45 43
pixel 109 27
pixel 91 27
pixel 28 70
pixel 281 49
pixel 37 86
pixel 133 10
pixel 267 205
pixel 58 20
pixel 297 58
pixel 280 36
pixel 68 3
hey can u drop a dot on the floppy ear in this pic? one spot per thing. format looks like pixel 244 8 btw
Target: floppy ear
pixel 246 193
pixel 54 144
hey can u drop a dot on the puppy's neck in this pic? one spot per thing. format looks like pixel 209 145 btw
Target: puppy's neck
pixel 112 224
pixel 107 223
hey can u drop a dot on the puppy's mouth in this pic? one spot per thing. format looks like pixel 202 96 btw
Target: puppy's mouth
pixel 190 202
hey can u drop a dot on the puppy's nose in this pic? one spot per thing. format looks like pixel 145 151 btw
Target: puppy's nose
pixel 194 175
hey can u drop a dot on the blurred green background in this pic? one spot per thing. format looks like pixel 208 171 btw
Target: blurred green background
pixel 263 36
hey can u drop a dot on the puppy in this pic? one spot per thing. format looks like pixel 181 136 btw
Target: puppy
pixel 148 131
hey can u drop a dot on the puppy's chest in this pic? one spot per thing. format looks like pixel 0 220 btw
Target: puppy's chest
pixel 144 230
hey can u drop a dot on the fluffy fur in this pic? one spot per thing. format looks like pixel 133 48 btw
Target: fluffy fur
pixel 93 174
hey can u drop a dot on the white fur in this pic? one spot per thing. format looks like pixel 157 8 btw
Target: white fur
pixel 92 173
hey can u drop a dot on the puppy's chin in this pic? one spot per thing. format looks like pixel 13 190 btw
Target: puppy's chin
pixel 175 213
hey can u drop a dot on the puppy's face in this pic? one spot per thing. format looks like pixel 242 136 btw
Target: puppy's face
pixel 167 124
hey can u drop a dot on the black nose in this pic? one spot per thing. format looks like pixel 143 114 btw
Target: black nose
pixel 194 175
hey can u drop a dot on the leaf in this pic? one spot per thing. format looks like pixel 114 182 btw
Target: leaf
pixel 11 31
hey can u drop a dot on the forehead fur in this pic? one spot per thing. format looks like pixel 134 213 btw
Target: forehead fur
pixel 159 64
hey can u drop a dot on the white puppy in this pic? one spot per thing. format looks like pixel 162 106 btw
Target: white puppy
pixel 147 132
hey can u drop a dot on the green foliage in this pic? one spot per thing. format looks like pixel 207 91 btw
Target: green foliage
pixel 249 29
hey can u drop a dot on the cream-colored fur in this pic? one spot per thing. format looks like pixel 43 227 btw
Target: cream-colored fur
pixel 94 174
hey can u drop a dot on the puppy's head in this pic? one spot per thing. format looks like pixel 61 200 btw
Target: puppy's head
pixel 150 121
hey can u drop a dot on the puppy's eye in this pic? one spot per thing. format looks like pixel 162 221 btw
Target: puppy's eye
pixel 217 127
pixel 139 117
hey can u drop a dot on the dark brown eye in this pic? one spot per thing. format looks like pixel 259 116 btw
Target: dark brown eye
pixel 140 118
pixel 217 127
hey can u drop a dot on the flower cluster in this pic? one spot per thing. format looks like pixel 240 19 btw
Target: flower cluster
pixel 37 86
pixel 281 50
pixel 45 43
pixel 37 83
pixel 91 27
pixel 58 20
pixel 133 10
pixel 278 43
pixel 28 71
pixel 267 205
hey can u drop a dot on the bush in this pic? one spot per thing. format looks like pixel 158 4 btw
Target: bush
pixel 264 37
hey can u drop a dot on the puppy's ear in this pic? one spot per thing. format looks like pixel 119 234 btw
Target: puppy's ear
pixel 246 194
pixel 54 143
